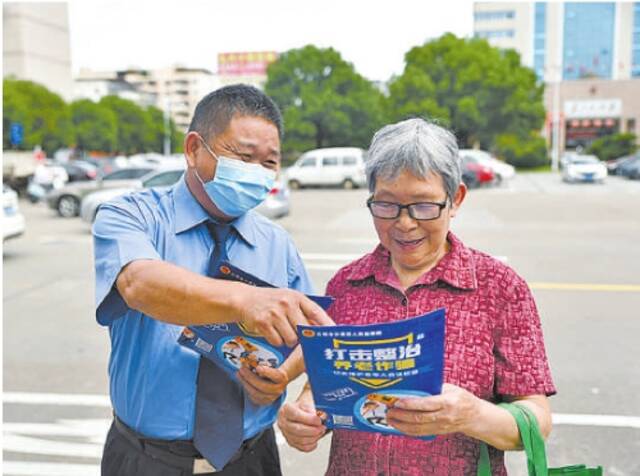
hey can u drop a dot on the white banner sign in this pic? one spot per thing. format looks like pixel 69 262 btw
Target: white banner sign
pixel 589 109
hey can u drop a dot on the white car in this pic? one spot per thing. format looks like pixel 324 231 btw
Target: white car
pixel 502 170
pixel 333 166
pixel 13 224
pixel 584 168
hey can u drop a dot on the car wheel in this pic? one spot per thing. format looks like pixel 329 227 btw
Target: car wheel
pixel 348 184
pixel 68 206
pixel 294 185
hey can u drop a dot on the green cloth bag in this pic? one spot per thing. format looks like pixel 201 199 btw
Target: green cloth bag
pixel 533 444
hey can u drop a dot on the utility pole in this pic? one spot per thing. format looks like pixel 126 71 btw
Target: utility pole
pixel 557 80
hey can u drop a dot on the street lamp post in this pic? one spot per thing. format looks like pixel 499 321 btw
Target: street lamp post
pixel 167 128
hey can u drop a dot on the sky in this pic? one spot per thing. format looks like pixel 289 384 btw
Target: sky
pixel 373 35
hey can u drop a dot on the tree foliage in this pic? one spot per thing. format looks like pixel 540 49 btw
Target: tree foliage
pixel 614 146
pixel 45 117
pixel 524 153
pixel 96 126
pixel 475 89
pixel 324 101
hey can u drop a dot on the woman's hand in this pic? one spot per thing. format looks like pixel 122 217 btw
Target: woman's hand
pixel 455 410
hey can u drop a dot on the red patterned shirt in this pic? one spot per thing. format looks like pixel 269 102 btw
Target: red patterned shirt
pixel 494 347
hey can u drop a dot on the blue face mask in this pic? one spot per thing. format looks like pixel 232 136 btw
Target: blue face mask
pixel 237 186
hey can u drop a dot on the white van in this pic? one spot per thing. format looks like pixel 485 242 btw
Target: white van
pixel 343 166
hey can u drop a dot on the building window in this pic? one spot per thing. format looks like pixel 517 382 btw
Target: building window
pixel 540 39
pixel 588 55
pixel 489 34
pixel 635 44
pixel 631 126
pixel 495 15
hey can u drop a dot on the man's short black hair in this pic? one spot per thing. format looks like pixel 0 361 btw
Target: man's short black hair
pixel 215 111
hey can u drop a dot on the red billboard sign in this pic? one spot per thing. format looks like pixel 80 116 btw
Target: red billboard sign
pixel 245 63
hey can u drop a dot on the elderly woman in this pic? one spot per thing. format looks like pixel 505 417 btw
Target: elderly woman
pixel 494 349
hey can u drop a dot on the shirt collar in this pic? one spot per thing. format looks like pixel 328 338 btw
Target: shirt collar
pixel 456 268
pixel 189 214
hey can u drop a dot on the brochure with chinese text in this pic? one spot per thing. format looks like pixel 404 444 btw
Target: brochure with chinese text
pixel 358 372
pixel 232 344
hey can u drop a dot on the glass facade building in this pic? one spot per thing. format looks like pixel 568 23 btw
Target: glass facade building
pixel 540 39
pixel 635 41
pixel 588 40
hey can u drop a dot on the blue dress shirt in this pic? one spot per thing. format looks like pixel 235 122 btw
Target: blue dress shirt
pixel 152 377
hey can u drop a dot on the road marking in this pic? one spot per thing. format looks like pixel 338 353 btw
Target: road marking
pixel 37 468
pixel 619 421
pixel 634 288
pixel 57 399
pixel 38 446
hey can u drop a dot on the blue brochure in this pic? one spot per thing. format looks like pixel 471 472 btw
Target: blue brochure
pixel 358 372
pixel 230 345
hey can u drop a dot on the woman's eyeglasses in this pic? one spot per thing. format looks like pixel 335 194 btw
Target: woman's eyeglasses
pixel 417 211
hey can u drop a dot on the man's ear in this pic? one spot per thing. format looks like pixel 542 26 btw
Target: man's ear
pixel 191 146
pixel 459 197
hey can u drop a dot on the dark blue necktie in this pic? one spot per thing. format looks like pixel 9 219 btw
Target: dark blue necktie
pixel 218 432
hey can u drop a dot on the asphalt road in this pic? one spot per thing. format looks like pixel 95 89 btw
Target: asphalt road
pixel 577 245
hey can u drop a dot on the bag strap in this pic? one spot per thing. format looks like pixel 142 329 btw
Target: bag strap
pixel 531 438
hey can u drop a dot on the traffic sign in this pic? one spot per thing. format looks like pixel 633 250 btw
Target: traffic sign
pixel 17 133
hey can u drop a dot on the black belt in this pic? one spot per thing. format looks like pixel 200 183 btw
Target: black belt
pixel 178 453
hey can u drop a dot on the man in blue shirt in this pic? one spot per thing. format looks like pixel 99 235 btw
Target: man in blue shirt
pixel 153 250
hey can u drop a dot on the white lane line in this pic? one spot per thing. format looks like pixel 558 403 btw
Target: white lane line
pixel 89 428
pixel 76 399
pixel 37 446
pixel 37 468
pixel 619 421
pixel 626 421
pixel 330 256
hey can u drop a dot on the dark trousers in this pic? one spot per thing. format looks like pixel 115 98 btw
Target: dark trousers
pixel 124 457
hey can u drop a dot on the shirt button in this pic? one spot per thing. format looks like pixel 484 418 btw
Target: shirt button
pixel 404 301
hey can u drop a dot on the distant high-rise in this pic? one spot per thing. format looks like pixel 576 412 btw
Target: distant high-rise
pixel 36 44
pixel 575 39
pixel 588 53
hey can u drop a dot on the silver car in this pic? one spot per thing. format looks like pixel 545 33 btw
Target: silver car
pixel 276 205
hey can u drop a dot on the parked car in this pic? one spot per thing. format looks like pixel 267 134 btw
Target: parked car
pixel 13 224
pixel 502 170
pixel 632 170
pixel 276 205
pixel 626 168
pixel 475 174
pixel 79 170
pixel 66 200
pixel 616 166
pixel 160 177
pixel 335 166
pixel 584 168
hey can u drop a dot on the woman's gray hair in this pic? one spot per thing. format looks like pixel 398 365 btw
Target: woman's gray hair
pixel 417 146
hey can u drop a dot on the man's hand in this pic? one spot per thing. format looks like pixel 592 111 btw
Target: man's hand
pixel 300 425
pixel 275 313
pixel 455 410
pixel 265 385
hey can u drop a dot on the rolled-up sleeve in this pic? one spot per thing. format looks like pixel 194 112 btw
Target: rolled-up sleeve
pixel 120 235
pixel 522 367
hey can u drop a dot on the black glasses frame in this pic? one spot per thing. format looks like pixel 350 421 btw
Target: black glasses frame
pixel 408 206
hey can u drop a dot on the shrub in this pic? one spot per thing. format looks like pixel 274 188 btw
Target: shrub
pixel 522 152
pixel 613 146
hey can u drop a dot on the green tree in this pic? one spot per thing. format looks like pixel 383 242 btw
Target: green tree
pixel 522 152
pixel 614 146
pixel 156 132
pixel 45 117
pixel 324 101
pixel 96 126
pixel 475 89
pixel 134 125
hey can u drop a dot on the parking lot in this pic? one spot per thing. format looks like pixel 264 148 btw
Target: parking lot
pixel 578 246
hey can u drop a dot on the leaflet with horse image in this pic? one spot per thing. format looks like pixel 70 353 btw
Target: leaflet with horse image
pixel 358 372
pixel 232 344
